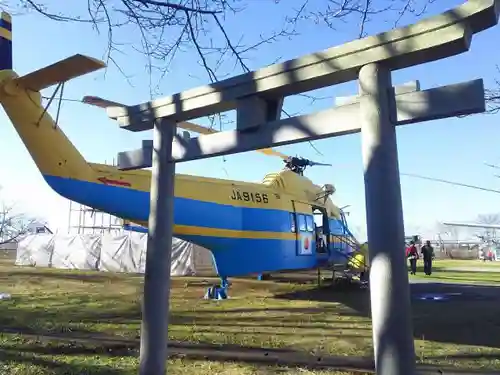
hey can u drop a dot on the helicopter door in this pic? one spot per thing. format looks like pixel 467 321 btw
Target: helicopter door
pixel 306 242
pixel 322 229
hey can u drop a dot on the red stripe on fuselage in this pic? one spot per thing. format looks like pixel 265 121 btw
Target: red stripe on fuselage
pixel 107 181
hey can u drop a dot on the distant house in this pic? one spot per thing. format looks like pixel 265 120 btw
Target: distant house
pixel 37 227
pixel 33 228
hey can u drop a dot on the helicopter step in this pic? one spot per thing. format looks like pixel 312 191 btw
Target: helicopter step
pixel 353 270
pixel 340 275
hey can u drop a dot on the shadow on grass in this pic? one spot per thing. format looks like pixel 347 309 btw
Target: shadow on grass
pixel 59 315
pixel 56 368
pixel 92 345
pixel 73 275
pixel 471 317
pixel 467 356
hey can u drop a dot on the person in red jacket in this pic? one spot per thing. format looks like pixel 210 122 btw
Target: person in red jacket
pixel 412 255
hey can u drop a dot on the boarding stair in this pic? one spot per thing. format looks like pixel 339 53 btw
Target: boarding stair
pixel 351 257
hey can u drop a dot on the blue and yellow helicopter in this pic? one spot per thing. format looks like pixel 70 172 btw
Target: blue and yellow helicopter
pixel 250 228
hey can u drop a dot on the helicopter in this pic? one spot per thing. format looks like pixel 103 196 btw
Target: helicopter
pixel 250 228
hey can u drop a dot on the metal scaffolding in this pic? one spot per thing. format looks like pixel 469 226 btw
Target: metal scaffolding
pixel 86 220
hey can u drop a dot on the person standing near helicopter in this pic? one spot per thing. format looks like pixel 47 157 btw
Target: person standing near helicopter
pixel 428 254
pixel 412 255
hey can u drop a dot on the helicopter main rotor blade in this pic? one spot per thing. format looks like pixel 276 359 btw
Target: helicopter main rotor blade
pixel 271 152
pixel 203 130
pixel 195 128
pixel 313 163
pixel 100 102
pixel 104 103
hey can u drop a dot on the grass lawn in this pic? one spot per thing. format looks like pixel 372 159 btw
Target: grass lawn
pixel 460 271
pixel 451 263
pixel 67 322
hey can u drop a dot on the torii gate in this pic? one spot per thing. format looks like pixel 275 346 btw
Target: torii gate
pixel 257 97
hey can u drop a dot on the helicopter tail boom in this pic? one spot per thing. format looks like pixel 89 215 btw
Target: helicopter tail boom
pixel 53 153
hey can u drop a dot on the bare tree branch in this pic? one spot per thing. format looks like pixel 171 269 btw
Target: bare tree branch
pixel 12 225
pixel 167 29
pixel 489 219
pixel 200 25
pixel 179 7
pixel 493 95
pixel 493 100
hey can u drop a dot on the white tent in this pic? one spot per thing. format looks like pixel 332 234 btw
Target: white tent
pixel 121 253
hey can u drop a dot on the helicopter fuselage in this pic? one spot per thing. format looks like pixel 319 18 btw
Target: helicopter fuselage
pixel 249 227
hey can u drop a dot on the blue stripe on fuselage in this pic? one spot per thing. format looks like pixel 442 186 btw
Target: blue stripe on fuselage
pixel 134 204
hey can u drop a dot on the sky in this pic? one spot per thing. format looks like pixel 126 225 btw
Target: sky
pixel 454 149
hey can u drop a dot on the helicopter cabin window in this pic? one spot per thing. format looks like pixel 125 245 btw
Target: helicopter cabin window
pixel 305 223
pixel 302 222
pixel 310 223
pixel 336 227
pixel 293 227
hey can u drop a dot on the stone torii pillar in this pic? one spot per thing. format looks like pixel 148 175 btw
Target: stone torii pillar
pixel 389 293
